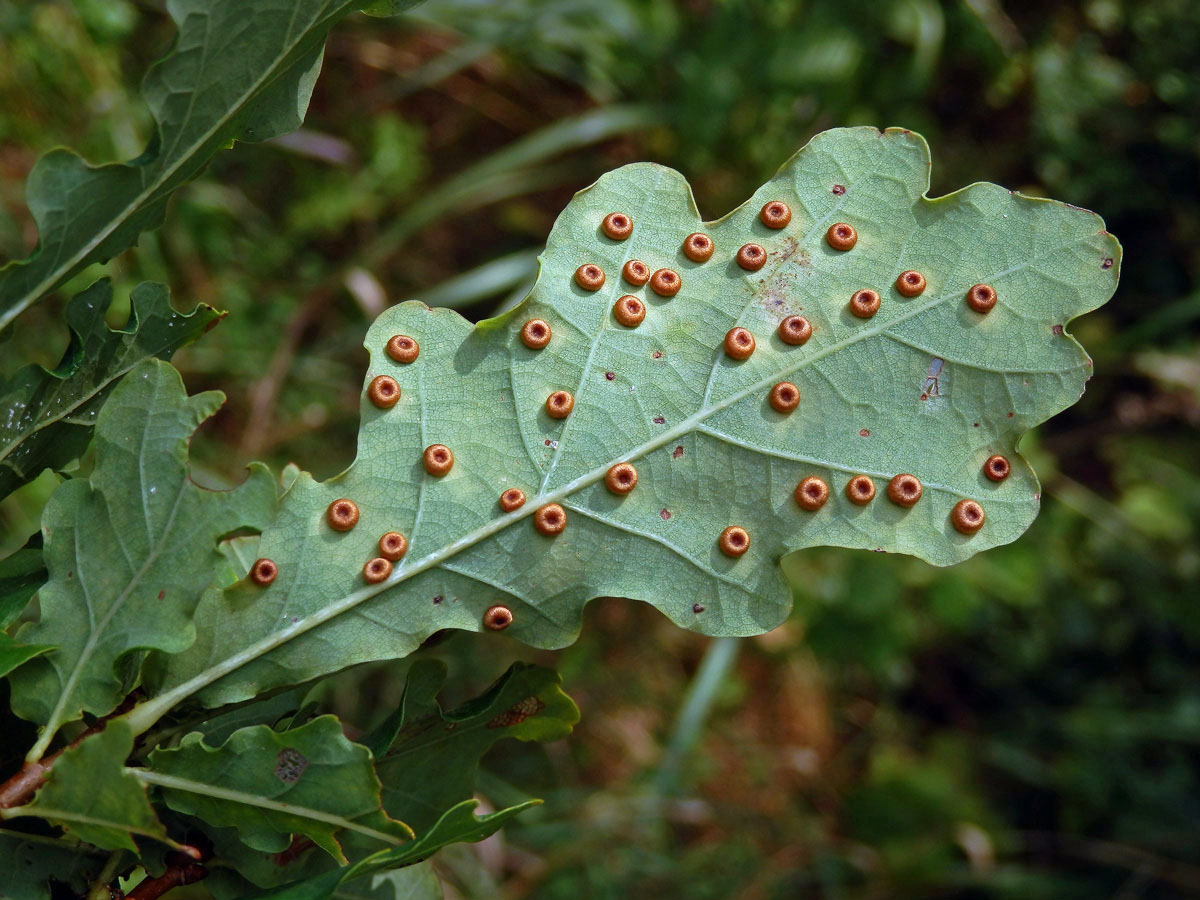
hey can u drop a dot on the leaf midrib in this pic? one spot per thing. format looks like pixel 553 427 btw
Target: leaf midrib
pixel 166 174
pixel 143 716
pixel 188 785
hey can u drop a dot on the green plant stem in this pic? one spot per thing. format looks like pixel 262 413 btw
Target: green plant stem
pixel 714 668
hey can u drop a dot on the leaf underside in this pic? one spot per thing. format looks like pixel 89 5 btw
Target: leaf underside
pixel 927 386
pixel 53 413
pixel 237 71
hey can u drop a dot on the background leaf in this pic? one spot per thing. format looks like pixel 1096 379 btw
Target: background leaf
pixel 129 550
pixel 432 756
pixel 89 793
pixel 31 864
pixel 271 785
pixel 52 413
pixel 710 451
pixel 238 72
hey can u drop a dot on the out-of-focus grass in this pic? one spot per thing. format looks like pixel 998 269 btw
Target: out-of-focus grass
pixel 1024 725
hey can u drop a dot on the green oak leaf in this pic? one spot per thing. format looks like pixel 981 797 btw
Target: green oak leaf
pixel 52 413
pixel 416 882
pixel 13 653
pixel 927 386
pixel 239 71
pixel 431 757
pixel 270 785
pixel 33 865
pixel 129 550
pixel 459 824
pixel 90 794
pixel 21 574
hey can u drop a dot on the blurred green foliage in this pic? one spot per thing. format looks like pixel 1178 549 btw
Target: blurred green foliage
pixel 1022 726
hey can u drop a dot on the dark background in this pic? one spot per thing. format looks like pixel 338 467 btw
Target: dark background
pixel 1024 725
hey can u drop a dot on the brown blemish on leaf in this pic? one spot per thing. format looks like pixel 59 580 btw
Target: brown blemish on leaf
pixel 617 226
pixel 497 618
pixel 841 236
pixel 967 516
pixel 905 490
pixel 635 272
pixel 657 354
pixel 664 514
pixel 162 594
pixel 861 490
pixel 659 420
pixel 535 334
pixel 518 713
pixel 734 541
pixel 609 376
pixel 811 493
pixel 550 519
pixel 621 478
pixel 559 404
pixel 342 514
pixel 512 499
pixel 775 214
pixel 376 570
pixel 677 452
pixel 393 546
pixel 1107 263
pixel 383 391
pixel 839 189
pixel 438 460
pixel 996 468
pixel 697 608
pixel 864 432
pixel 262 573
pixel 864 303
pixel 1056 329
pixel 290 765
pixel 910 283
pixel 590 277
pixel 402 348
pixel 751 257
pixel 739 343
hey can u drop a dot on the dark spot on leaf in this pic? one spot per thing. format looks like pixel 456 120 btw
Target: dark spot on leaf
pixel 839 189
pixel 290 765
pixel 70 574
pixel 660 420
pixel 924 397
pixel 677 452
pixel 665 513
pixel 1108 263
pixel 976 425
pixel 1057 329
pixel 864 433
pixel 610 375
pixel 697 608
pixel 161 594
pixel 657 354
pixel 1010 415
pixel 530 706
pixel 438 599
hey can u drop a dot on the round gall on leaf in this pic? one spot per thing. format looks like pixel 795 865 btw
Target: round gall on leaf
pixel 698 247
pixel 775 214
pixel 617 226
pixel 403 349
pixel 550 519
pixel 666 282
pixel 342 514
pixel 811 493
pixel 734 541
pixel 635 272
pixel 438 460
pixel 795 330
pixel 497 618
pixel 751 257
pixel 841 236
pixel 739 344
pixel 861 490
pixel 590 277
